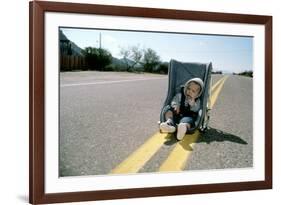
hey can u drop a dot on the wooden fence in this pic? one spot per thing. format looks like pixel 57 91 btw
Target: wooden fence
pixel 72 63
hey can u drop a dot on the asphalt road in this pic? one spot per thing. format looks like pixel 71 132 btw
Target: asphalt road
pixel 105 117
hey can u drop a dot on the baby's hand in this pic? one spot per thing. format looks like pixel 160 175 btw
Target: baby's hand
pixel 177 109
pixel 191 101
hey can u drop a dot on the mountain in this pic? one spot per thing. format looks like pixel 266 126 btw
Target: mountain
pixel 66 44
pixel 122 61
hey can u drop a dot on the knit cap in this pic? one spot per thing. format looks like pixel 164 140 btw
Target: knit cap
pixel 197 81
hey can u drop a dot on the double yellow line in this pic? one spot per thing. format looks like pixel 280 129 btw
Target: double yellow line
pixel 138 158
pixel 177 159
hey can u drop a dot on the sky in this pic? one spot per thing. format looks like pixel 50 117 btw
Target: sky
pixel 227 53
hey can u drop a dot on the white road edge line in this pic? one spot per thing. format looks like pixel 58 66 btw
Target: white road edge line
pixel 110 82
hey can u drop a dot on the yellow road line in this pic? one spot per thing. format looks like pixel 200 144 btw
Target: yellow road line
pixel 177 159
pixel 138 158
pixel 216 93
pixel 179 155
pixel 217 83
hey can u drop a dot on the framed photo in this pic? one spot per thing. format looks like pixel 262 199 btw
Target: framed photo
pixel 132 102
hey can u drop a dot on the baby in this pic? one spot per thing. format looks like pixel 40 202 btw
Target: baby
pixel 184 109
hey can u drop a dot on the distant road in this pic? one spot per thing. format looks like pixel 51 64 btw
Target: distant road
pixel 107 117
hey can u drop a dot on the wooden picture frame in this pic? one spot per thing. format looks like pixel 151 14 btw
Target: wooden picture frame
pixel 37 152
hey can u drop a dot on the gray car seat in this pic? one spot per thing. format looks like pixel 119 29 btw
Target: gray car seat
pixel 178 74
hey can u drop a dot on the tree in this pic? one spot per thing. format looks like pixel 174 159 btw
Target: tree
pixel 132 56
pixel 247 73
pixel 163 68
pixel 150 60
pixel 126 53
pixel 136 55
pixel 105 58
pixel 97 58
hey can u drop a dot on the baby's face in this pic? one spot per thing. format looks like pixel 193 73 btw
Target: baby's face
pixel 192 90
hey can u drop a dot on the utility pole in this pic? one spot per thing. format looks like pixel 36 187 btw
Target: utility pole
pixel 100 40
